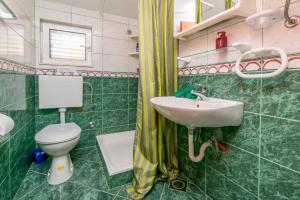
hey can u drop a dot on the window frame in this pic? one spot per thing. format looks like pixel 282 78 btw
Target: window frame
pixel 45 58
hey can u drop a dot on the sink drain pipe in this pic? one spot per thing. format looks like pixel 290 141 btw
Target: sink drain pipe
pixel 191 147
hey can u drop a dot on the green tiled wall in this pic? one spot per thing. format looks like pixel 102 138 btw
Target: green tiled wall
pixel 113 109
pixel 17 101
pixel 263 160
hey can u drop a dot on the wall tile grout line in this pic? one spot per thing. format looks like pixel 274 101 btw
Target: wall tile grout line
pixel 200 189
pixel 4 179
pixel 272 116
pixel 252 113
pixel 208 85
pixel 29 191
pixel 259 141
pixel 295 171
pixel 232 181
pixel 261 173
pixel 68 197
pixel 117 194
pixel 298 172
pixel 37 172
pixel 17 103
pixel 102 83
pixel 259 157
pixel 206 165
pixel 260 116
pixel 87 186
pixel 282 118
pixel 162 193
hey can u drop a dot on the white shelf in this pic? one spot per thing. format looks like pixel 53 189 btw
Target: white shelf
pixel 243 9
pixel 134 37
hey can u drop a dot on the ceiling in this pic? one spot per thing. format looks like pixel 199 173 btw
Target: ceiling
pixel 127 8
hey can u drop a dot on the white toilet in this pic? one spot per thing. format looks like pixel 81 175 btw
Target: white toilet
pixel 58 140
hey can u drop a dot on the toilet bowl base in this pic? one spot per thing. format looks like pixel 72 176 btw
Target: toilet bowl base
pixel 61 170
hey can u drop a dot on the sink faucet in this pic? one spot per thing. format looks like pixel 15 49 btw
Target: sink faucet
pixel 200 92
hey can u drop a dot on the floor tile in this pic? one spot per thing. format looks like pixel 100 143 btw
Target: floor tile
pixel 155 192
pixel 4 160
pixel 42 168
pixel 5 189
pixel 45 192
pixel 192 193
pixel 18 173
pixel 88 154
pixel 89 174
pixel 84 193
pixel 31 182
pixel 122 192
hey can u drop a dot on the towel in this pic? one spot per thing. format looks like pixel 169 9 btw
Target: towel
pixel 186 93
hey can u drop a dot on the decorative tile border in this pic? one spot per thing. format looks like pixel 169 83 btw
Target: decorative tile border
pixel 85 73
pixel 253 65
pixel 9 65
pixel 12 66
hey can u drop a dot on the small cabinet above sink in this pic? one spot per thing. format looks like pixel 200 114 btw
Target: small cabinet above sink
pixel 195 113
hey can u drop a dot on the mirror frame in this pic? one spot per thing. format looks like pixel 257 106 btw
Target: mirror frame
pixel 244 8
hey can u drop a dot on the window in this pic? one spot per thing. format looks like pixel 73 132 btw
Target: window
pixel 65 45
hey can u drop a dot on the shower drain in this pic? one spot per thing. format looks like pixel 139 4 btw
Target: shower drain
pixel 178 184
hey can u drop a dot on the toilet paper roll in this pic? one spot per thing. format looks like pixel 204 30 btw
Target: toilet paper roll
pixel 6 124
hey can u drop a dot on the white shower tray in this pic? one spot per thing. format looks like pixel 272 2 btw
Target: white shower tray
pixel 117 151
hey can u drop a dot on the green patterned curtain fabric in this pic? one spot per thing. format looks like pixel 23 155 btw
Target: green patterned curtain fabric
pixel 155 146
pixel 198 11
pixel 229 4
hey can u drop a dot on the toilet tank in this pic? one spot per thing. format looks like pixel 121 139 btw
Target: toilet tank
pixel 60 91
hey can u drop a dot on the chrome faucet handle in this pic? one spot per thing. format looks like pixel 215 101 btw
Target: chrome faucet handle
pixel 200 96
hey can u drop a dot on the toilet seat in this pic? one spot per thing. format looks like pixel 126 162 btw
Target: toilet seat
pixel 58 133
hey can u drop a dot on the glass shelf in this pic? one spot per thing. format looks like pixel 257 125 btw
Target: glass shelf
pixel 212 52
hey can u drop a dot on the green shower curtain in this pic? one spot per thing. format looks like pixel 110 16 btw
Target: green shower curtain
pixel 198 11
pixel 229 4
pixel 156 138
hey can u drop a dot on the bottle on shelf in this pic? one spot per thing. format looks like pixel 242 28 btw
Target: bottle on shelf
pixel 221 41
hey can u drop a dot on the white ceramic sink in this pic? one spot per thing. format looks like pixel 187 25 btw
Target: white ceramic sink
pixel 196 113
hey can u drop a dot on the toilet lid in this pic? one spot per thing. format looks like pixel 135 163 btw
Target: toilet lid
pixel 58 133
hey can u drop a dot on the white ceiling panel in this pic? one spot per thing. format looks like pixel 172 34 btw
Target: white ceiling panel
pixel 127 8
